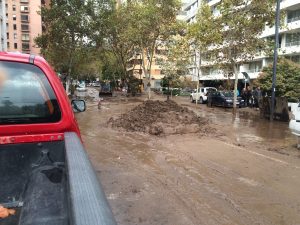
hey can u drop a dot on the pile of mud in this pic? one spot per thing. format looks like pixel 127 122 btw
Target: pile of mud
pixel 161 118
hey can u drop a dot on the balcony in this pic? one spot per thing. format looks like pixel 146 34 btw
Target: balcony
pixel 286 4
pixel 292 43
pixel 213 2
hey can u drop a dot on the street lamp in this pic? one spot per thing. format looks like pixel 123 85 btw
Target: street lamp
pixel 275 59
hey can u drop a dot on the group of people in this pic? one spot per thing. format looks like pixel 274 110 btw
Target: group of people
pixel 251 97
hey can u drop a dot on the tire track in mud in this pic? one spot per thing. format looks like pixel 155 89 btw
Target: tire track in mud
pixel 185 189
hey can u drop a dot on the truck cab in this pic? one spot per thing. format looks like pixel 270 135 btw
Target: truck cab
pixel 46 176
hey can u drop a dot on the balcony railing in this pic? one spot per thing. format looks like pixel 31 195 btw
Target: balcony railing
pixel 297 18
pixel 292 43
pixel 253 70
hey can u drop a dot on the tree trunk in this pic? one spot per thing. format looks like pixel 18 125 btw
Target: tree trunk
pixel 145 71
pixel 197 92
pixel 236 74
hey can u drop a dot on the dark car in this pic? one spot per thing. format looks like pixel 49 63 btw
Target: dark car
pixel 224 99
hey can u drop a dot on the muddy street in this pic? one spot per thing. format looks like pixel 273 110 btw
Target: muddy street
pixel 245 172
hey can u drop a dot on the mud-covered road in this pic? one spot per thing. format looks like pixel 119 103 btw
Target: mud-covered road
pixel 247 172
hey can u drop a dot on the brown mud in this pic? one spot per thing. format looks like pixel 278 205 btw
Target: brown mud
pixel 161 118
pixel 247 172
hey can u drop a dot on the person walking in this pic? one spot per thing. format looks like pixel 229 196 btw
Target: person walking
pixel 249 96
pixel 258 97
pixel 244 96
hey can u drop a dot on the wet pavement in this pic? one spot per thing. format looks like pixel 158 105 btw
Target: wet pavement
pixel 248 172
pixel 247 126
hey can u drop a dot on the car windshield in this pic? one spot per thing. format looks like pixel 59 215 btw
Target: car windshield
pixel 26 95
pixel 227 93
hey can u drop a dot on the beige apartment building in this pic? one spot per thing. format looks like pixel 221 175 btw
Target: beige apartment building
pixel 135 63
pixel 23 24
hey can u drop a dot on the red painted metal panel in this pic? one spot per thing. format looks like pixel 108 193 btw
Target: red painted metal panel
pixel 67 122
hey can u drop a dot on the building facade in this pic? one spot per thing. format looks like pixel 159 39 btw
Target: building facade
pixel 289 42
pixel 3 43
pixel 23 25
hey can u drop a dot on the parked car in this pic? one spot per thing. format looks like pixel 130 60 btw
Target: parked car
pixel 81 87
pixel 295 122
pixel 105 89
pixel 96 84
pixel 46 176
pixel 224 99
pixel 201 95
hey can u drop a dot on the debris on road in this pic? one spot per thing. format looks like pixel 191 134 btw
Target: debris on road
pixel 161 118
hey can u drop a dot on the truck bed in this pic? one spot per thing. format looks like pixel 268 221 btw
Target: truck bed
pixel 34 182
pixel 51 183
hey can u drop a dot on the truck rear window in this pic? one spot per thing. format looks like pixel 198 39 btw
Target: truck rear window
pixel 26 95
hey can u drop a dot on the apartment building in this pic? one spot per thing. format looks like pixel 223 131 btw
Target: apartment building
pixel 3 42
pixel 135 67
pixel 289 42
pixel 23 24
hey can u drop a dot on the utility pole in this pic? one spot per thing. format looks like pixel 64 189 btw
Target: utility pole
pixel 275 58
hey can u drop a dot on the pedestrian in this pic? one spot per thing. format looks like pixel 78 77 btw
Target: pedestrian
pixel 244 96
pixel 249 96
pixel 259 96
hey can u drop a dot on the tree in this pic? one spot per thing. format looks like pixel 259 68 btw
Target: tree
pixel 111 70
pixel 153 22
pixel 231 37
pixel 177 61
pixel 288 79
pixel 120 44
pixel 66 40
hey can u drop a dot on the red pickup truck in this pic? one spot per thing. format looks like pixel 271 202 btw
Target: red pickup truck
pixel 45 173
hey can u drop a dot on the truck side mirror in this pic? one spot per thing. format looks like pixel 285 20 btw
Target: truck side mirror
pixel 78 105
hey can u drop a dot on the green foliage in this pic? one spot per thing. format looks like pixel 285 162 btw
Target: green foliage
pixel 66 42
pixel 111 69
pixel 120 43
pixel 288 79
pixel 232 37
pixel 153 22
pixel 177 61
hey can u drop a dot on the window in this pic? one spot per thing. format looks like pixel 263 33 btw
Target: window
pixel 14 17
pixel 293 16
pixel 292 39
pixel 7 35
pixel 25 46
pixel 25 37
pixel 15 36
pixel 6 25
pixel 24 18
pixel 15 45
pixel 26 96
pixel 24 27
pixel 255 67
pixel 24 8
pixel 8 45
pixel 15 26
pixel 14 7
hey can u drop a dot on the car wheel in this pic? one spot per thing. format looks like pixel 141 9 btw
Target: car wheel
pixel 191 99
pixel 201 100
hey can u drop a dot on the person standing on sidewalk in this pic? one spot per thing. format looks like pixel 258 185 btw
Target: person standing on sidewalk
pixel 257 97
pixel 249 96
